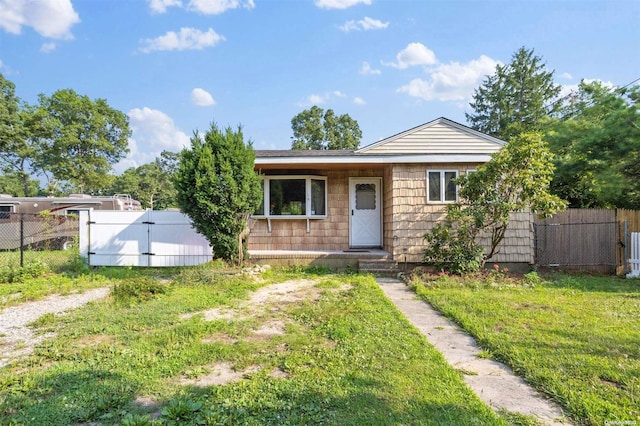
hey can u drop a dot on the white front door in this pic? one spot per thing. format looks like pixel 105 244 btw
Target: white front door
pixel 365 204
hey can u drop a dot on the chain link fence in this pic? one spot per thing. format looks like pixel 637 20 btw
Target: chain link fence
pixel 37 238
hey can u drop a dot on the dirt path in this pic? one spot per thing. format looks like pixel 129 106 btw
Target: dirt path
pixel 17 340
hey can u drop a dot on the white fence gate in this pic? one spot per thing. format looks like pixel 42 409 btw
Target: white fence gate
pixel 634 261
pixel 141 238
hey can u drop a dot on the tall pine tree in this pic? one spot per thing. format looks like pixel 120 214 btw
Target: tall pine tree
pixel 516 98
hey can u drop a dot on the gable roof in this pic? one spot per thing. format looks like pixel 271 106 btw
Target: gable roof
pixel 440 136
pixel 438 141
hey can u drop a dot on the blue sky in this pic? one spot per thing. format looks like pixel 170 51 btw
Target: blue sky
pixel 175 66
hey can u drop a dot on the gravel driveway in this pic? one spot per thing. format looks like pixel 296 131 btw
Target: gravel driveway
pixel 16 339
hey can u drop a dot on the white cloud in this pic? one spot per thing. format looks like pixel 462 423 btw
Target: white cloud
pixel 49 18
pixel 160 6
pixel 152 131
pixel 452 81
pixel 566 76
pixel 413 54
pixel 339 4
pixel 216 7
pixel 186 39
pixel 48 47
pixel 5 68
pixel 316 99
pixel 568 89
pixel 205 7
pixel 364 25
pixel 606 84
pixel 366 69
pixel 201 97
pixel 359 101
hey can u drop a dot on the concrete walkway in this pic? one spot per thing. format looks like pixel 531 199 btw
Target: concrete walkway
pixel 493 382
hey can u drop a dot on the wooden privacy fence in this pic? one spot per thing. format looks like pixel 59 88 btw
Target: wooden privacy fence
pixel 587 239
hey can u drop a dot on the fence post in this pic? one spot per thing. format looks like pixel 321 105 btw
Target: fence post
pixel 535 244
pixel 21 240
pixel 627 268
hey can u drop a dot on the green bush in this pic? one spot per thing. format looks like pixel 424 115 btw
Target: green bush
pixel 449 250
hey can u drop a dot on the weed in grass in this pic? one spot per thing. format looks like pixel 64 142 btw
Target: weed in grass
pixel 12 273
pixel 184 411
pixel 518 419
pixel 136 420
pixel 45 320
pixel 195 372
pixel 532 279
pixel 138 290
pixel 465 372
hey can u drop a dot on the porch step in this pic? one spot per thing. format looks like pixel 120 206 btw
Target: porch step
pixel 379 267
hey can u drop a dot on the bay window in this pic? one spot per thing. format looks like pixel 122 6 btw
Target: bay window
pixel 293 196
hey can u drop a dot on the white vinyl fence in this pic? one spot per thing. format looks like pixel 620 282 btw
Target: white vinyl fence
pixel 141 238
pixel 634 261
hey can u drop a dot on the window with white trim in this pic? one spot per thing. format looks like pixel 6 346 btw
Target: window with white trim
pixel 441 187
pixel 293 197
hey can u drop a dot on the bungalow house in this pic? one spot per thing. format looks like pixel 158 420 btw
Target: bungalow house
pixel 340 207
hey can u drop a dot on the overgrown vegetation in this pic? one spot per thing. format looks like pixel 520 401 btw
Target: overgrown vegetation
pixel 344 355
pixel 516 179
pixel 575 338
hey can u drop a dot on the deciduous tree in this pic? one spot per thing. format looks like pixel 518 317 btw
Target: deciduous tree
pixel 218 189
pixel 20 128
pixel 152 183
pixel 318 129
pixel 596 142
pixel 86 139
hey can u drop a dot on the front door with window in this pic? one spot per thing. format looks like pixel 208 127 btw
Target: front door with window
pixel 365 204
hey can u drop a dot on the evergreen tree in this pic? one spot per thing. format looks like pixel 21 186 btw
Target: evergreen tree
pixel 218 189
pixel 516 98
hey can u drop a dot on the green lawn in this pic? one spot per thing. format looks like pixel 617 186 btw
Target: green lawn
pixel 576 338
pixel 345 356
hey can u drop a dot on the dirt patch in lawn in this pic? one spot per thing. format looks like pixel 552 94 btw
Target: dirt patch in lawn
pixel 264 305
pixel 222 373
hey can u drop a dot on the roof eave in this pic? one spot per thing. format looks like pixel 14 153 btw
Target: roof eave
pixel 377 159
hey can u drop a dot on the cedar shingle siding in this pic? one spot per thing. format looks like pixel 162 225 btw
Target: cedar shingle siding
pixel 402 161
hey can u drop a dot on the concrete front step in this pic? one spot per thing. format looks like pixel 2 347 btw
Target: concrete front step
pixel 379 267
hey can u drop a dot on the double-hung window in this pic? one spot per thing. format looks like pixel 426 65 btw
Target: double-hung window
pixel 293 196
pixel 441 187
